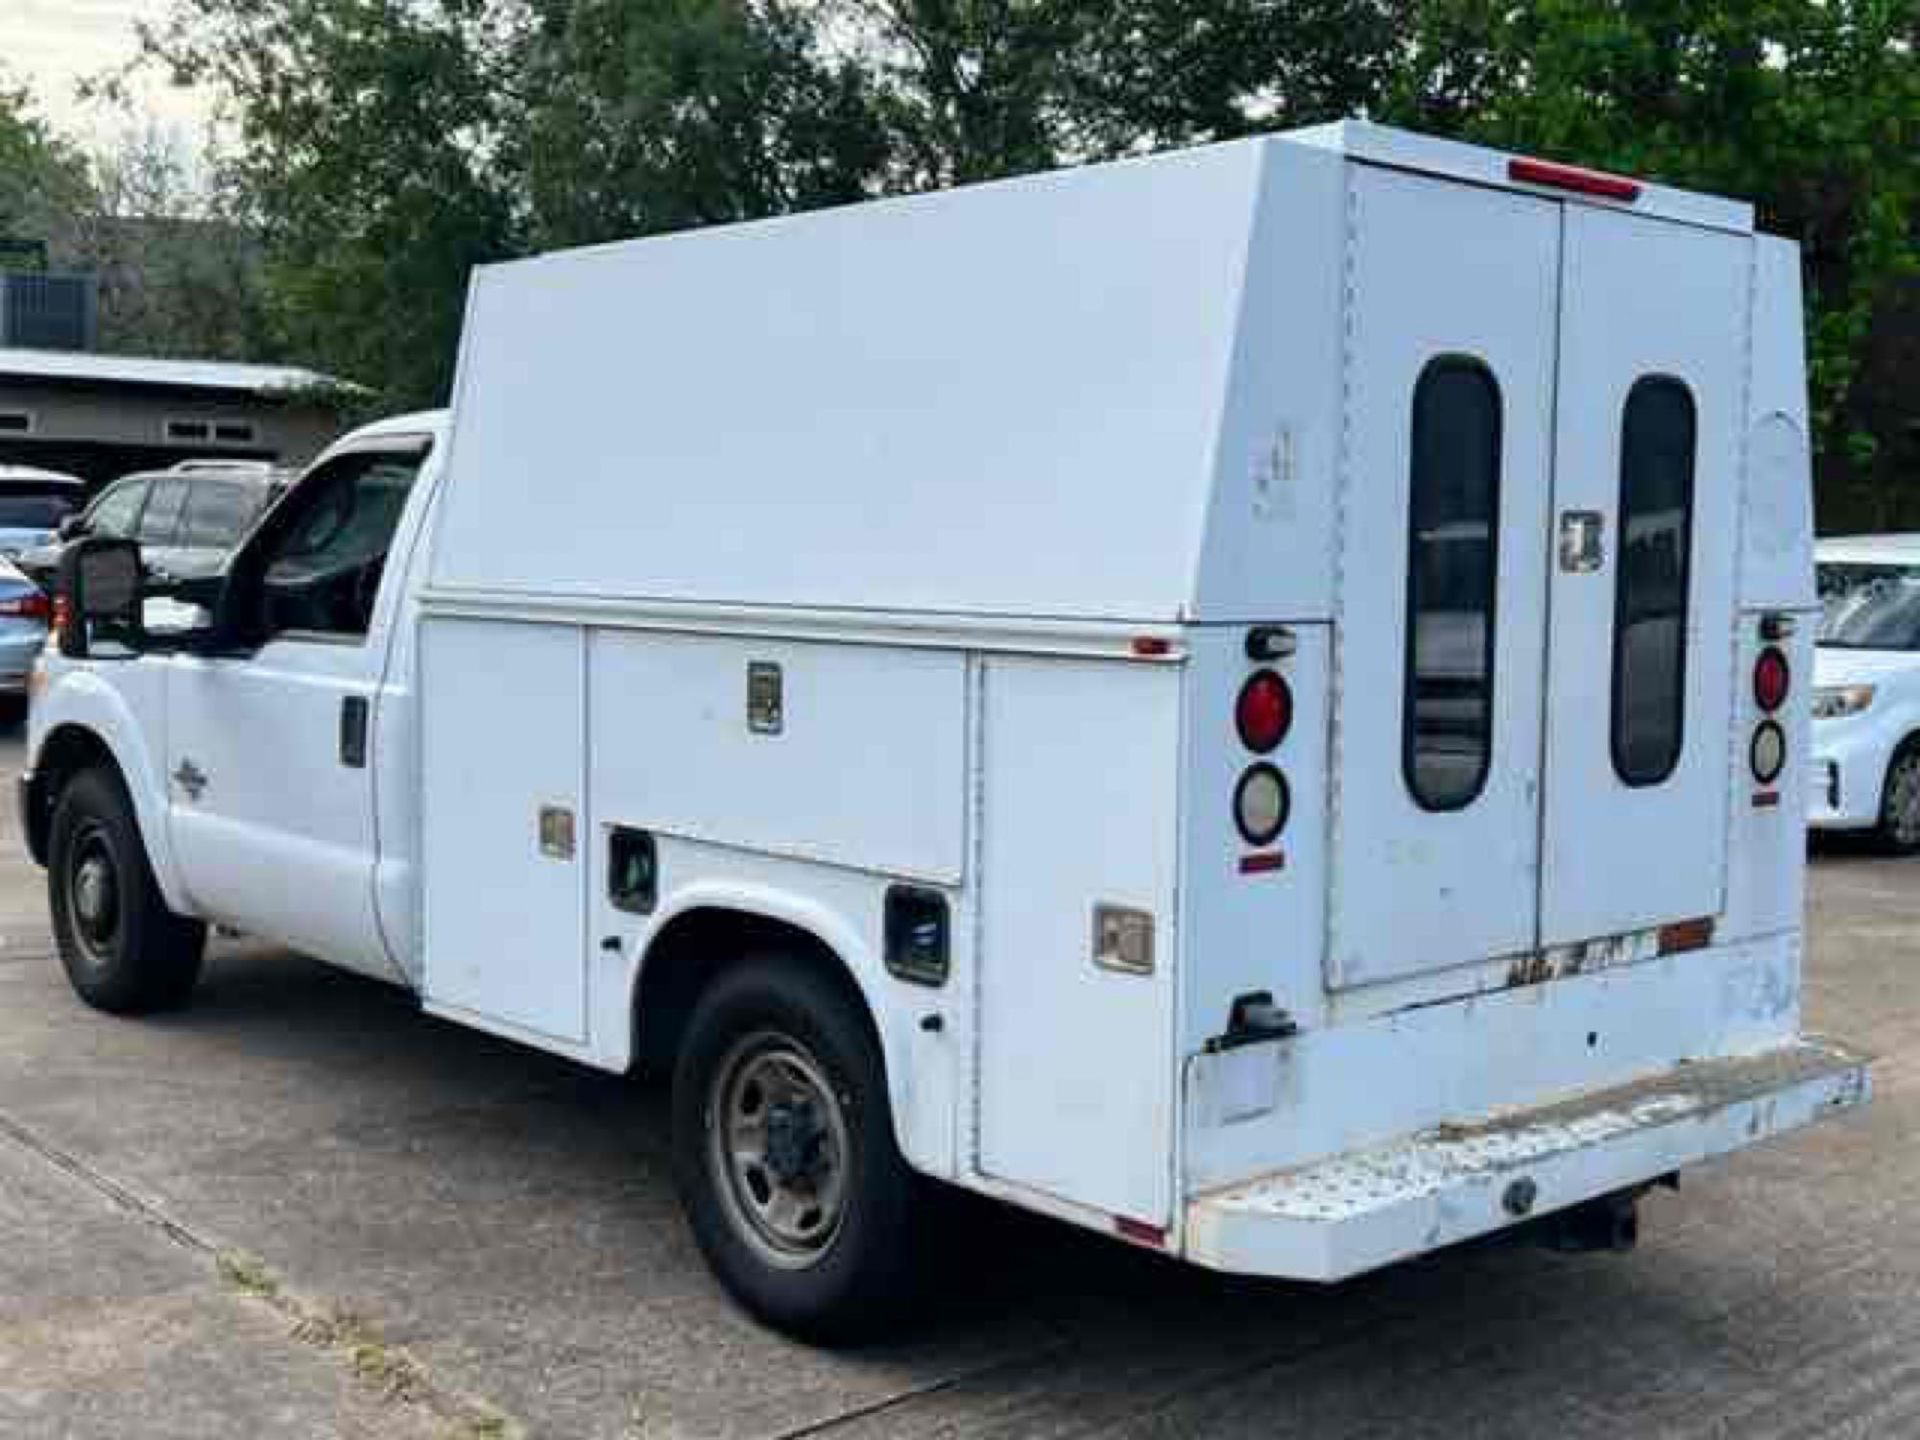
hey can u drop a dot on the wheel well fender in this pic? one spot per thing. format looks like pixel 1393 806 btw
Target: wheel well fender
pixel 91 726
pixel 704 933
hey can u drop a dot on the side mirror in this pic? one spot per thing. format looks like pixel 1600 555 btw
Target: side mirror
pixel 98 597
pixel 72 528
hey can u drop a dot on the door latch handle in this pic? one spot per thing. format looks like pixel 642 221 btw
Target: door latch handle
pixel 191 780
pixel 353 732
pixel 1582 541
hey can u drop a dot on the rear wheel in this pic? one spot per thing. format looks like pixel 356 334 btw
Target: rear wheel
pixel 785 1156
pixel 1899 828
pixel 123 949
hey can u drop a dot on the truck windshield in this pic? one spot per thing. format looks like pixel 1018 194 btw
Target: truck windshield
pixel 1869 607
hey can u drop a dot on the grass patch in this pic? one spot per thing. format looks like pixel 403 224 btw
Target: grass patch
pixel 388 1372
pixel 246 1273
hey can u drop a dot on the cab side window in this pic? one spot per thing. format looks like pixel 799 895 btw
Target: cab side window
pixel 116 511
pixel 326 549
pixel 162 515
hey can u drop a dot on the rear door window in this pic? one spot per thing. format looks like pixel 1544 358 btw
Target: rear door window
pixel 1657 437
pixel 1452 564
pixel 162 517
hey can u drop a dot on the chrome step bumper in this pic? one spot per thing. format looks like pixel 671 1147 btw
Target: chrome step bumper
pixel 1356 1212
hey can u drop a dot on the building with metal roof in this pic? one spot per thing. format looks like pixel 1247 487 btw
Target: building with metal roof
pixel 101 416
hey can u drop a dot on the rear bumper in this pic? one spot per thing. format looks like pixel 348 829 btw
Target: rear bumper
pixel 1356 1212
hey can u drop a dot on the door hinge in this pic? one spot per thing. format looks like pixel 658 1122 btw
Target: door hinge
pixel 190 779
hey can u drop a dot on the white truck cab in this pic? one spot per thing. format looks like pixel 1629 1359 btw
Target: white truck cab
pixel 1253 700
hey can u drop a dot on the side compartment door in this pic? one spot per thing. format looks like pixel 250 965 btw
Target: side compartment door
pixel 1079 846
pixel 1647 483
pixel 1436 749
pixel 503 818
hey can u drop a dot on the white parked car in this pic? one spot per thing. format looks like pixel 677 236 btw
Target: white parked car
pixel 1866 700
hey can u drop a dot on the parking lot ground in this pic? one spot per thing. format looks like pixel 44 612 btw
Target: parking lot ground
pixel 303 1208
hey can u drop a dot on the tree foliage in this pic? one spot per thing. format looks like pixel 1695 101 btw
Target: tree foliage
pixel 636 116
pixel 43 177
pixel 367 132
pixel 1811 108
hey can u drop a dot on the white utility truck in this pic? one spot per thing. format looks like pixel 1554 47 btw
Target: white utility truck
pixel 1252 700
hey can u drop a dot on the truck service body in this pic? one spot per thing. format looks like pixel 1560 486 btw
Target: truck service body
pixel 1253 700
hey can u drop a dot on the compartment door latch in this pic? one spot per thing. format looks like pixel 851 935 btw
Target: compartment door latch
pixel 1583 547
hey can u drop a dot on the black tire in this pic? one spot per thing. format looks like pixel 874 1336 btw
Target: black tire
pixel 124 951
pixel 1898 828
pixel 845 1277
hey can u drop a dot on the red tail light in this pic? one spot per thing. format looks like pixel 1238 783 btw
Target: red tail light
pixel 1771 679
pixel 1264 712
pixel 32 606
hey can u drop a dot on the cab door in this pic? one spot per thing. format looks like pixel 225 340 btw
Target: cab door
pixel 1646 489
pixel 270 797
pixel 1446 482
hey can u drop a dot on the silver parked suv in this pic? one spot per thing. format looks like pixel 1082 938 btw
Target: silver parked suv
pixel 186 518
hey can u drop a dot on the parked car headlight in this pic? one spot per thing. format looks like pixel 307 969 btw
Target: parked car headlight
pixel 1830 702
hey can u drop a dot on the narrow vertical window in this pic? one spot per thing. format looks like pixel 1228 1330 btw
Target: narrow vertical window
pixel 1452 577
pixel 1650 585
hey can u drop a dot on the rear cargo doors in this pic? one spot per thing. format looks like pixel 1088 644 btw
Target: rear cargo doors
pixel 1532 739
pixel 1652 375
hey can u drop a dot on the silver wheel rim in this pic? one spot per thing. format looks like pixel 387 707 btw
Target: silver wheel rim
pixel 1903 801
pixel 777 1148
pixel 93 896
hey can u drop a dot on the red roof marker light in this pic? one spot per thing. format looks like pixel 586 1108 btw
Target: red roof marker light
pixel 1572 177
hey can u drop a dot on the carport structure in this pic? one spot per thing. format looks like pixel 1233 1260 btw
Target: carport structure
pixel 101 416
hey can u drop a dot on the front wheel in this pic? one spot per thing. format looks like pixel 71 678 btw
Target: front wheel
pixel 124 951
pixel 1899 828
pixel 785 1156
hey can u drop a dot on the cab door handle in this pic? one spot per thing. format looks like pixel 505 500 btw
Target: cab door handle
pixel 353 732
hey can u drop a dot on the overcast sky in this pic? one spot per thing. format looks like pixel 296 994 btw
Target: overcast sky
pixel 51 45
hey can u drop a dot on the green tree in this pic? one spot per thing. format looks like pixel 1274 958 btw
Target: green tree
pixel 366 135
pixel 637 116
pixel 176 275
pixel 1153 73
pixel 385 147
pixel 43 176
